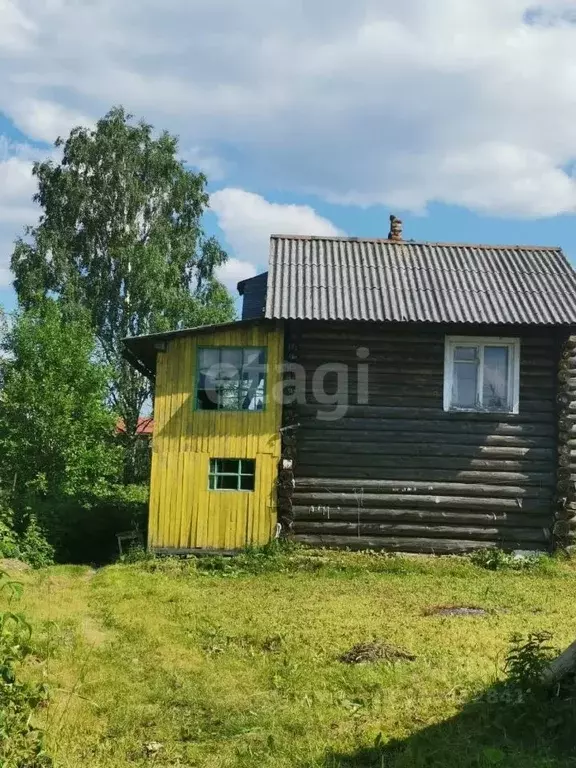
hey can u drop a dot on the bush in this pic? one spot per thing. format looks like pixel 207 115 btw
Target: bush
pixel 21 744
pixel 494 559
pixel 528 658
pixel 84 531
pixel 23 539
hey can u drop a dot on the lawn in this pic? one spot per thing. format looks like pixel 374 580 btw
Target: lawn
pixel 158 663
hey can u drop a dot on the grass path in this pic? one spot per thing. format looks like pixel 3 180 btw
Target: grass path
pixel 242 669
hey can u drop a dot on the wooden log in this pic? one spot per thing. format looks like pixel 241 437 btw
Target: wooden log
pixel 316 485
pixel 448 427
pixel 399 500
pixel 309 459
pixel 476 519
pixel 387 446
pixel 562 666
pixel 395 544
pixel 421 414
pixel 544 480
pixel 352 436
pixel 488 533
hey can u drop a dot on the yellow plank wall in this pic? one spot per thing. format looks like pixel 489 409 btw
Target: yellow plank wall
pixel 184 514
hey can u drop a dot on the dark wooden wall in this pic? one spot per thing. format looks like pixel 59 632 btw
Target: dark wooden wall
pixel 399 473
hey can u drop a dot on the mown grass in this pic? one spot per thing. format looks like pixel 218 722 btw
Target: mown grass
pixel 236 663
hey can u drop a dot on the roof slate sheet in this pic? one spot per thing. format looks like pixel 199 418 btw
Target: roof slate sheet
pixel 318 278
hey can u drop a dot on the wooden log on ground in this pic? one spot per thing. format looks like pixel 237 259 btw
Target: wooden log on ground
pixel 561 666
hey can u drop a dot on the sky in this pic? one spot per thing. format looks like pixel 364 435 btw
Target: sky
pixel 312 116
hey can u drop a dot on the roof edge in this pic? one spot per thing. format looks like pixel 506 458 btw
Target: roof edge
pixel 167 335
pixel 486 246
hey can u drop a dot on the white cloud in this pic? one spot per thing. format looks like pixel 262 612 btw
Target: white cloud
pixel 248 220
pixel 369 102
pixel 45 120
pixel 17 187
pixel 210 164
pixel 15 29
pixel 235 270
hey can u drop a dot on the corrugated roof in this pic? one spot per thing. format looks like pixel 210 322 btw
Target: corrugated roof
pixel 319 278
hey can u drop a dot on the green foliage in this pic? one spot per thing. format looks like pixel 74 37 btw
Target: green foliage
pixel 21 744
pixel 494 559
pixel 120 234
pixel 137 553
pixel 56 435
pixel 24 539
pixel 84 530
pixel 528 658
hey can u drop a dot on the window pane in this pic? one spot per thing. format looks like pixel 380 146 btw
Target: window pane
pixel 496 362
pixel 247 466
pixel 231 359
pixel 208 358
pixel 228 396
pixel 253 358
pixel 464 386
pixel 247 483
pixel 228 466
pixel 226 482
pixel 466 353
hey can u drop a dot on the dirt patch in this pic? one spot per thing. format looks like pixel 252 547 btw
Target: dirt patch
pixel 456 610
pixel 375 651
pixel 12 564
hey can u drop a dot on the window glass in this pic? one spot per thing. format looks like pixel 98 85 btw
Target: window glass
pixel 466 354
pixel 231 379
pixel 482 374
pixel 495 390
pixel 465 385
pixel 232 474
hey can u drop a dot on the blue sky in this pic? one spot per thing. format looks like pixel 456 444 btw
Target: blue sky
pixel 315 118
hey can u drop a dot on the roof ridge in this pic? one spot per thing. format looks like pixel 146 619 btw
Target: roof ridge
pixel 486 246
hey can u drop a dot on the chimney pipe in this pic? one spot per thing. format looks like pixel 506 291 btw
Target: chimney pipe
pixel 395 233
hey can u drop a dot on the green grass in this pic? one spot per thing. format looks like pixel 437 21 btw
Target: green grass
pixel 236 663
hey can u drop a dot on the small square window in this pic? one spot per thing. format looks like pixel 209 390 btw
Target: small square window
pixel 232 474
pixel 482 374
pixel 231 379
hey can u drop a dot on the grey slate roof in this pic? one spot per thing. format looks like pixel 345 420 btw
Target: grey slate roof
pixel 318 278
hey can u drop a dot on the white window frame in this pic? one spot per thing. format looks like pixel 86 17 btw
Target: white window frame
pixel 513 344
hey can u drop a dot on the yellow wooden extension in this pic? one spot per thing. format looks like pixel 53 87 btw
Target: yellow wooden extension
pixel 184 513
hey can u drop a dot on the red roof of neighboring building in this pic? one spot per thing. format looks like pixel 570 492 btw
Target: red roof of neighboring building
pixel 145 426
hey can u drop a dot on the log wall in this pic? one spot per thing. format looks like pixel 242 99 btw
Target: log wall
pixel 399 473
pixel 565 524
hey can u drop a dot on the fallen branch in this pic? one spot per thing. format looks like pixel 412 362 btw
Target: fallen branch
pixel 561 666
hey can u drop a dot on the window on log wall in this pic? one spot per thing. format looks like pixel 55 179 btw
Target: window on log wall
pixel 481 374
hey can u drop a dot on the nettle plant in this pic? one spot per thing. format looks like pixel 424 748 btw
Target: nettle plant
pixel 21 744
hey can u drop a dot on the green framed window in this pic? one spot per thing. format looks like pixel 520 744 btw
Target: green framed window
pixel 231 378
pixel 232 474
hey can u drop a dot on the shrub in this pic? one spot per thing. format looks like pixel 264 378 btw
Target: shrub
pixel 21 744
pixel 494 559
pixel 527 659
pixel 84 530
pixel 23 539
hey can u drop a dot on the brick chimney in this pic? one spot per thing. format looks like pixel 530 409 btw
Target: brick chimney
pixel 395 229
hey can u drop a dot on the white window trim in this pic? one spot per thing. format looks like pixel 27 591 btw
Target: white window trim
pixel 513 345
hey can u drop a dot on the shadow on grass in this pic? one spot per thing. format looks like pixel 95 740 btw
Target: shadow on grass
pixel 497 729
